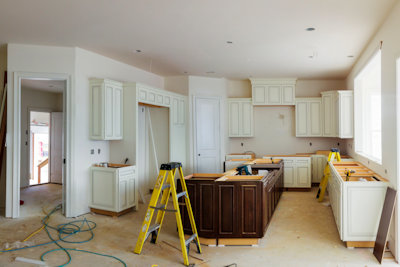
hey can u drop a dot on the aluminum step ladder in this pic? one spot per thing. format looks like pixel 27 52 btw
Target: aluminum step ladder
pixel 166 184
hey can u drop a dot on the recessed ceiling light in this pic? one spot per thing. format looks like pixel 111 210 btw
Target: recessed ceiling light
pixel 185 72
pixel 350 56
pixel 210 72
pixel 51 86
pixel 229 42
pixel 138 51
pixel 310 29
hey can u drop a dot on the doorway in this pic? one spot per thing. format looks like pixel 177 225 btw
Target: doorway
pixel 207 141
pixel 42 145
pixel 153 145
pixel 39 137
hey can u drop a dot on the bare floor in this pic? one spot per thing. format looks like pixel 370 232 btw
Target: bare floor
pixel 301 233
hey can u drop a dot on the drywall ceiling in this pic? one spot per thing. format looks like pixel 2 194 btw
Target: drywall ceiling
pixel 178 37
pixel 53 86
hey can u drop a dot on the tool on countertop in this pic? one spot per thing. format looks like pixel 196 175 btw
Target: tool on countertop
pixel 334 154
pixel 243 168
pixel 166 184
pixel 348 174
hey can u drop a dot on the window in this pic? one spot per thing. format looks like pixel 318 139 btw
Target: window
pixel 367 110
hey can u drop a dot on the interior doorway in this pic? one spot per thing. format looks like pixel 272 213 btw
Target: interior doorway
pixel 153 136
pixel 42 145
pixel 39 136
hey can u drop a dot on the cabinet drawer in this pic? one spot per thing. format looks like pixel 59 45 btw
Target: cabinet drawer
pixel 302 162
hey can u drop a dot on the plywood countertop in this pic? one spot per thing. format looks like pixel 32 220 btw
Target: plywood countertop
pixel 360 171
pixel 289 155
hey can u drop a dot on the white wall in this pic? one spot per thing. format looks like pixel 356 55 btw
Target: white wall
pixel 177 84
pixel 204 86
pixel 389 34
pixel 274 131
pixel 92 65
pixel 40 100
pixel 3 67
pixel 80 65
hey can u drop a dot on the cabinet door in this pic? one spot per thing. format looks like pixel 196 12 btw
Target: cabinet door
pixel 206 223
pixel 227 210
pixel 259 96
pixel 117 113
pixel 289 173
pixel 97 112
pixel 288 96
pixel 315 127
pixel 109 112
pixel 301 118
pixel 123 194
pixel 327 108
pixel 247 119
pixel 302 176
pixel 346 117
pixel 234 115
pixel 274 95
pixel 249 204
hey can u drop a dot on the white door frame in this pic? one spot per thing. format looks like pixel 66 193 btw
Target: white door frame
pixel 221 140
pixel 14 135
pixel 397 206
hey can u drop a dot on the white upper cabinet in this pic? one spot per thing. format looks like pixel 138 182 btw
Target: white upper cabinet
pixel 270 92
pixel 106 109
pixel 240 117
pixel 308 117
pixel 338 114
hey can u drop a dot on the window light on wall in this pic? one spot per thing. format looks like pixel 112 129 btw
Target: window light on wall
pixel 367 110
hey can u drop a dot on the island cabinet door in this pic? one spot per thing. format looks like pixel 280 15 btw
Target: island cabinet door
pixel 205 215
pixel 228 210
pixel 250 215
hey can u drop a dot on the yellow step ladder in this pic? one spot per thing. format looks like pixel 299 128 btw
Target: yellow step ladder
pixel 166 184
pixel 333 155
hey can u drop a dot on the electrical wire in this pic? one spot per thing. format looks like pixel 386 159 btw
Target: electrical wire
pixel 65 231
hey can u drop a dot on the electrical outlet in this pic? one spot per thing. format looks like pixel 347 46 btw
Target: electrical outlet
pixel 241 144
pixel 92 151
pixel 98 151
pixel 310 144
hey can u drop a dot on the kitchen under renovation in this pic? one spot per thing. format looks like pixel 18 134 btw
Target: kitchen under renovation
pixel 210 134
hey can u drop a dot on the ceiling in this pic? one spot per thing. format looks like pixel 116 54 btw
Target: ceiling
pixel 54 86
pixel 178 37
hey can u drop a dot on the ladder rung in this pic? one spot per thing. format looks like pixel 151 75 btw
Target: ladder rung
pixel 190 239
pixel 181 194
pixel 158 207
pixel 153 227
pixel 162 207
pixel 165 186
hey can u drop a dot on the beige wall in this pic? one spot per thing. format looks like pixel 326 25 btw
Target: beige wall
pixel 37 100
pixel 389 34
pixel 177 84
pixel 274 131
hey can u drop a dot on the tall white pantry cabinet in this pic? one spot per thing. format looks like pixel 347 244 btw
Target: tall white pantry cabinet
pixel 106 109
pixel 241 123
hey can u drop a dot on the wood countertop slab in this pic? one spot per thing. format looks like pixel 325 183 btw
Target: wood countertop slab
pixel 360 171
pixel 289 155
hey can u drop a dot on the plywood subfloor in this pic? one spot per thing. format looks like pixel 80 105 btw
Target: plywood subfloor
pixel 302 233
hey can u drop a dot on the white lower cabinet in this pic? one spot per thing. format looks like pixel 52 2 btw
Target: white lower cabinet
pixel 356 206
pixel 296 171
pixel 318 163
pixel 113 189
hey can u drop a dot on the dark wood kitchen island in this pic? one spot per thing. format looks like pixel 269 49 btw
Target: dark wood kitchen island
pixel 233 206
